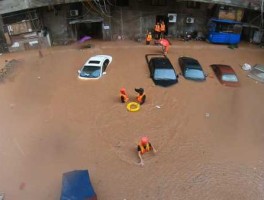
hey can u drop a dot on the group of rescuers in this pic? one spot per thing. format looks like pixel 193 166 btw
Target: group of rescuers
pixel 144 145
pixel 159 33
pixel 141 97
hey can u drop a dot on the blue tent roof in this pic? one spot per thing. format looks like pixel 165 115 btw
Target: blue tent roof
pixel 225 21
pixel 76 185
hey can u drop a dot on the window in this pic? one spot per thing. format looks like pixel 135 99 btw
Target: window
pixel 193 4
pixel 228 28
pixel 194 73
pixel 94 62
pixel 229 78
pixel 159 2
pixel 91 72
pixel 164 74
pixel 105 65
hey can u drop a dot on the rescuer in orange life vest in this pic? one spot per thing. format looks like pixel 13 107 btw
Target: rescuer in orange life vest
pixel 141 98
pixel 123 95
pixel 148 38
pixel 157 31
pixel 144 146
pixel 162 29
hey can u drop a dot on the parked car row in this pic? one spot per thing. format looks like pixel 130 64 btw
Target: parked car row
pixel 190 70
pixel 163 73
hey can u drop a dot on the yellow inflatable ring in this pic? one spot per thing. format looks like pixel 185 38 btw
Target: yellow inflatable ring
pixel 133 106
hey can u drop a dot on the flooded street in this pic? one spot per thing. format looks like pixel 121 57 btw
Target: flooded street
pixel 209 137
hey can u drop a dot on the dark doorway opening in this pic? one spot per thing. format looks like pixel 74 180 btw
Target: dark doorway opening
pixel 160 18
pixel 93 29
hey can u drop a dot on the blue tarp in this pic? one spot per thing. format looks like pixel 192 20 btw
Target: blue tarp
pixel 225 21
pixel 224 31
pixel 76 185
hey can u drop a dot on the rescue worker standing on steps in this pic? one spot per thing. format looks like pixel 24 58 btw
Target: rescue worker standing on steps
pixel 144 146
pixel 141 98
pixel 148 38
pixel 157 31
pixel 123 95
pixel 162 30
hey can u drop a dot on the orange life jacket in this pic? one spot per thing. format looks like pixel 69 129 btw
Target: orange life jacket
pixel 139 97
pixel 162 27
pixel 125 97
pixel 149 37
pixel 144 149
pixel 157 28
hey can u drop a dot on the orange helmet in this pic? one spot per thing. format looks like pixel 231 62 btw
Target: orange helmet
pixel 144 140
pixel 123 90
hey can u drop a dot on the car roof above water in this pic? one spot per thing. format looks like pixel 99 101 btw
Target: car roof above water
pixel 191 62
pixel 96 60
pixel 224 68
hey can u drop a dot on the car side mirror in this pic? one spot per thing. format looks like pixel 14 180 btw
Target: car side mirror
pixel 79 71
pixel 177 76
pixel 206 75
pixel 104 73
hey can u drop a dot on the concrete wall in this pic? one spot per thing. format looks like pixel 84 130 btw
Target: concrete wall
pixel 134 21
pixel 57 24
pixel 57 21
pixel 7 6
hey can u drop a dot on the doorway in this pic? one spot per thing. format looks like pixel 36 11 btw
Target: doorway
pixel 92 29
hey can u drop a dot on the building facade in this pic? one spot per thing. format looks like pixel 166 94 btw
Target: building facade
pixel 31 24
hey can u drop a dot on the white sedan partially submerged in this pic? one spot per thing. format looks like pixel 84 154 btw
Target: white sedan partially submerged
pixel 95 67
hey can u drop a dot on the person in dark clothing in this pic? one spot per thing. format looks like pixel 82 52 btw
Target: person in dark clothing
pixel 141 98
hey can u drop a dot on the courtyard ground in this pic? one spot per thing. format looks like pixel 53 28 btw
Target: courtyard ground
pixel 210 138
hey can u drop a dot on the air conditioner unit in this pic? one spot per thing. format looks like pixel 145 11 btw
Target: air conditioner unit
pixel 172 17
pixel 189 20
pixel 74 13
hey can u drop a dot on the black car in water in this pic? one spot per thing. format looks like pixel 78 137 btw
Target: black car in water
pixel 161 70
pixel 191 69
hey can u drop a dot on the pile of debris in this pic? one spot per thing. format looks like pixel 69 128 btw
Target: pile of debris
pixel 8 69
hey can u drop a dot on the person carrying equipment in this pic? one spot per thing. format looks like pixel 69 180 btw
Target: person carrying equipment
pixel 123 95
pixel 141 98
pixel 165 45
pixel 144 146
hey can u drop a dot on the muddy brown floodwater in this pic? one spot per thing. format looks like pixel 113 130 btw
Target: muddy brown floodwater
pixel 210 138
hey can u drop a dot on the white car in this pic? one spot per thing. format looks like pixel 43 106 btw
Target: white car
pixel 95 67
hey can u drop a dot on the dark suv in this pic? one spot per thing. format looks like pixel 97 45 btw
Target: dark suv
pixel 161 70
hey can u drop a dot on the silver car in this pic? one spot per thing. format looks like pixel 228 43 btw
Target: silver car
pixel 257 73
